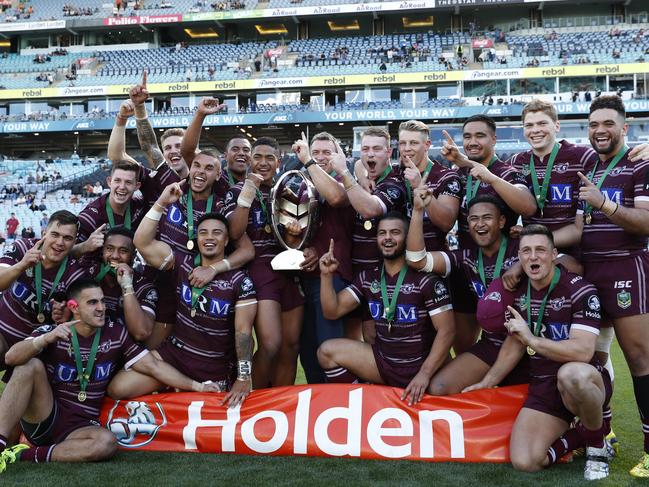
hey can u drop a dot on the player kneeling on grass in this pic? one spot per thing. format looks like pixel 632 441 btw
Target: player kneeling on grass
pixel 555 319
pixel 408 349
pixel 60 378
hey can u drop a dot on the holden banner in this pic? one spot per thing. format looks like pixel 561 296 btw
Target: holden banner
pixel 329 420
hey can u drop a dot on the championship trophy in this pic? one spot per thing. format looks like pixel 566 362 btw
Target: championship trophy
pixel 294 215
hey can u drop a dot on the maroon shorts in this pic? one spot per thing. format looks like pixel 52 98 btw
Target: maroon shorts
pixel 463 298
pixel 487 351
pixel 543 395
pixel 195 367
pixel 165 283
pixel 56 428
pixel 280 286
pixel 395 375
pixel 622 285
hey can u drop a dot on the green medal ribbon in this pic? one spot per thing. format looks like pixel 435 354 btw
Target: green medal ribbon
pixel 499 261
pixel 197 291
pixel 84 374
pixel 230 178
pixel 424 176
pixel 38 281
pixel 111 215
pixel 384 174
pixel 536 330
pixel 471 188
pixel 264 208
pixel 390 306
pixel 333 174
pixel 190 213
pixel 105 269
pixel 541 192
pixel 589 209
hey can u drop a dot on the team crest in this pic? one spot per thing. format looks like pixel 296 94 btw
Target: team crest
pixel 494 296
pixel 440 288
pixel 375 287
pixel 557 304
pixel 29 272
pixel 526 170
pixel 134 423
pixel 246 285
pixel 561 168
pixel 624 299
pixel 152 295
pixel 594 304
pixel 454 187
pixel 222 285
pixel 522 303
pixel 393 193
pixel 617 171
pixel 407 288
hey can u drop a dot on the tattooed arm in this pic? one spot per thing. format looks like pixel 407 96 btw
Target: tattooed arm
pixel 244 317
pixel 145 133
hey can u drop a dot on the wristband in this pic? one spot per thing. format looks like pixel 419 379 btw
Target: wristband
pixel 141 118
pixel 154 214
pixel 39 348
pixel 122 117
pixel 602 205
pixel 609 207
pixel 430 261
pixel 617 207
pixel 247 195
pixel 198 386
pixel 162 208
pixel 244 370
pixel 415 255
pixel 127 293
pixel 309 163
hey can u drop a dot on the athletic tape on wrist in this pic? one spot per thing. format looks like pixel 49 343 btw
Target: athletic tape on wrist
pixel 154 214
pixel 415 255
pixel 428 267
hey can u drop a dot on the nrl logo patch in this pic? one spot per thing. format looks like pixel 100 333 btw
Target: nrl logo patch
pixel 375 287
pixel 624 299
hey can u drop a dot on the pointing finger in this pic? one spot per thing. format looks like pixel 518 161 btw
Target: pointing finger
pixel 514 313
pixel 584 179
pixel 448 138
pixel 408 162
pixel 144 79
pixel 304 137
pixel 331 246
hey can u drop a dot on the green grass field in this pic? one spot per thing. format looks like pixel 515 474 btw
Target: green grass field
pixel 172 469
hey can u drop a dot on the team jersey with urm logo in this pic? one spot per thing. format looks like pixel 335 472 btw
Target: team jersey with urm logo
pixel 572 305
pixel 444 182
pixel 409 339
pixel 116 347
pixel 626 184
pixel 562 203
pixel 210 333
pixel 19 304
pixel 94 215
pixel 392 196
pixel 502 170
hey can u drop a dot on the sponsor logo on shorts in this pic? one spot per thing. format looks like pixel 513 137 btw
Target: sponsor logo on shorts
pixel 246 284
pixel 479 289
pixel 624 299
pixel 134 423
pixel 454 187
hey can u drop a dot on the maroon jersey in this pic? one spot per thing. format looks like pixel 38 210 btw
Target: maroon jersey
pixel 116 347
pixel 172 229
pixel 466 260
pixel 222 185
pixel 409 340
pixel 626 184
pixel 154 181
pixel 94 215
pixel 502 170
pixel 266 247
pixel 19 305
pixel 562 200
pixel 392 195
pixel 572 305
pixel 209 335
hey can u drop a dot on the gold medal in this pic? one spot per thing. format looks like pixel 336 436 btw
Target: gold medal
pixel 267 228
pixel 190 245
pixel 530 351
pixel 367 225
pixel 193 312
pixel 40 317
pixel 589 218
pixel 82 396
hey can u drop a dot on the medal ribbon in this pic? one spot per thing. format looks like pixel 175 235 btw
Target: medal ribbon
pixel 384 174
pixel 541 192
pixel 111 215
pixel 197 291
pixel 472 189
pixel 391 306
pixel 190 213
pixel 264 208
pixel 499 261
pixel 84 374
pixel 105 269
pixel 589 209
pixel 230 178
pixel 38 281
pixel 424 176
pixel 536 330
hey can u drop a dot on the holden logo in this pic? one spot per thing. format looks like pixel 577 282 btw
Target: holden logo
pixel 134 423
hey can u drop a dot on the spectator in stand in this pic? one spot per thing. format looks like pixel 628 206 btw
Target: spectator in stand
pixel 12 226
pixel 44 221
pixel 97 189
pixel 28 233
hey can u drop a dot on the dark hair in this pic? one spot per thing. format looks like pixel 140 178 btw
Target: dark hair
pixel 536 229
pixel 63 217
pixel 395 215
pixel 120 230
pixel 613 102
pixel 80 285
pixel 490 122
pixel 236 137
pixel 487 198
pixel 269 141
pixel 125 166
pixel 214 216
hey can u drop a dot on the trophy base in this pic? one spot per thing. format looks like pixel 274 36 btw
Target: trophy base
pixel 289 260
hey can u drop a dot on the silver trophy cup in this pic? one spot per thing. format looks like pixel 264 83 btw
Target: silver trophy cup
pixel 294 215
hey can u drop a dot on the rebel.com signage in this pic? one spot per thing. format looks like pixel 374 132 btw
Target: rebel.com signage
pixel 323 420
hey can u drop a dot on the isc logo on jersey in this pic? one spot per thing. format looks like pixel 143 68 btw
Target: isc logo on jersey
pixel 134 423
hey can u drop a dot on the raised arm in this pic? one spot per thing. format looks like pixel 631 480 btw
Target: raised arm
pixel 365 204
pixel 30 347
pixel 139 94
pixel 117 140
pixel 207 106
